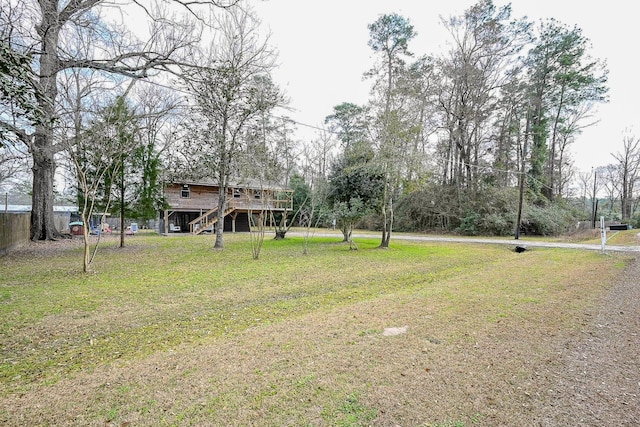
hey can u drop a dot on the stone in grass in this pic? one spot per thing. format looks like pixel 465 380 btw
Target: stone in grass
pixel 390 332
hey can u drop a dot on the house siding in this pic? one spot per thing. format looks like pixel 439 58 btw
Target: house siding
pixel 200 197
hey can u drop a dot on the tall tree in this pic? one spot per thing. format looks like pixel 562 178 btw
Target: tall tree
pixel 286 145
pixel 266 161
pixel 122 134
pixel 563 79
pixel 156 110
pixel 82 100
pixel 389 37
pixel 231 92
pixel 417 87
pixel 47 32
pixel 509 132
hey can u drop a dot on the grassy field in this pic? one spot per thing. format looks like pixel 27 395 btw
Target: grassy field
pixel 168 331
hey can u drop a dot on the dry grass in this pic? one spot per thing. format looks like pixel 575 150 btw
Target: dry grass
pixel 170 332
pixel 615 238
pixel 623 238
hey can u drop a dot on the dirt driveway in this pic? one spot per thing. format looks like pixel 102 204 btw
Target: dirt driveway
pixel 598 382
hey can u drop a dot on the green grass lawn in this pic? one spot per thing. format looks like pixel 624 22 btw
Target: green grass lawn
pixel 168 331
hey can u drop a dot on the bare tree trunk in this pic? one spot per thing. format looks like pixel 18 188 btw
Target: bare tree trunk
pixel 42 150
pixel 282 227
pixel 222 202
pixel 387 216
pixel 346 229
pixel 86 259
pixel 552 173
pixel 387 149
pixel 122 233
pixel 256 231
pixel 42 215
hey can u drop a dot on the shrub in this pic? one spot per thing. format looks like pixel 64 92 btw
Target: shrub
pixel 484 211
pixel 469 225
pixel 551 220
pixel 431 208
pixel 499 224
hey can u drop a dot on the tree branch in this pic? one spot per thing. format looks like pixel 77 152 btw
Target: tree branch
pixel 73 7
pixel 21 134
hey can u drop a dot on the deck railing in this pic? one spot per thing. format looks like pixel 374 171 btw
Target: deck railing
pixel 267 202
pixel 244 202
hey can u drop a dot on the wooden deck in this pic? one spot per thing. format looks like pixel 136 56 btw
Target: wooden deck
pixel 194 207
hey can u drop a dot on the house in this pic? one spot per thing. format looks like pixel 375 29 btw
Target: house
pixel 193 206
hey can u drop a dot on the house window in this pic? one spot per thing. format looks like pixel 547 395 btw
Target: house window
pixel 186 191
pixel 236 193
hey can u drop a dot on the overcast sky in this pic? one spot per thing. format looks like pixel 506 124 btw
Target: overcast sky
pixel 323 54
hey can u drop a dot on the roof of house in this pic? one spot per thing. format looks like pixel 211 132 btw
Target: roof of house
pixel 239 183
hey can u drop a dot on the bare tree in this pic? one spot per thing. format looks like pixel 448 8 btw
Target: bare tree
pixel 607 177
pixel 257 228
pixel 629 170
pixel 485 44
pixel 48 31
pixel 232 89
pixel 585 180
pixel 574 120
pixel 94 155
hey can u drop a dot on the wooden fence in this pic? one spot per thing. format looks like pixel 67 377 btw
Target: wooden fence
pixel 14 230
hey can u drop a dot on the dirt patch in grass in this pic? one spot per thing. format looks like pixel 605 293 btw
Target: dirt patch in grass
pixel 525 339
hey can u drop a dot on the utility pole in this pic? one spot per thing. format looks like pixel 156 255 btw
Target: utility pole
pixel 523 177
pixel 594 212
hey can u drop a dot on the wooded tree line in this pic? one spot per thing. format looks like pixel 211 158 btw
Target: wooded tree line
pixel 452 136
pixel 442 143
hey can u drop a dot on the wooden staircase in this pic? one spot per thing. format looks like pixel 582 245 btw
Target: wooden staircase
pixel 207 219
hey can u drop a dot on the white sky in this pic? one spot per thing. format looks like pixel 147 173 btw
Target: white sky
pixel 323 54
